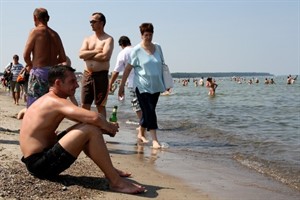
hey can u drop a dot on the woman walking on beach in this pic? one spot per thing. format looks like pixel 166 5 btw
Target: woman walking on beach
pixel 146 61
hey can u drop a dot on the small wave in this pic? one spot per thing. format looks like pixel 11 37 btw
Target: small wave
pixel 265 167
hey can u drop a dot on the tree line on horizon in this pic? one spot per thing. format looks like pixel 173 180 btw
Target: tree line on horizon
pixel 218 74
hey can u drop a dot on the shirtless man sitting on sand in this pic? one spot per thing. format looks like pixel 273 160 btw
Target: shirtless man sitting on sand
pixel 96 51
pixel 47 154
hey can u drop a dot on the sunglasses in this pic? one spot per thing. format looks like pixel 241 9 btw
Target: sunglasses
pixel 94 21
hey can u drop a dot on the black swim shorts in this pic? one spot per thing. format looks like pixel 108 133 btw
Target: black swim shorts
pixel 49 163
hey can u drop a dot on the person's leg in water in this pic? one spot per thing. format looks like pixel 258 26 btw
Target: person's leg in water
pixel 136 107
pixel 141 131
pixel 90 139
pixel 148 121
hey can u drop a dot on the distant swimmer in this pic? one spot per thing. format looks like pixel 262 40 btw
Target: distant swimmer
pixel 271 81
pixel 211 84
pixel 201 82
pixel 291 80
pixel 167 92
pixel 266 81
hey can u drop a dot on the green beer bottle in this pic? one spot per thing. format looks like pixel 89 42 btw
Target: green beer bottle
pixel 113 117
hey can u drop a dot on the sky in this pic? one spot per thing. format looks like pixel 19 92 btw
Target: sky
pixel 196 36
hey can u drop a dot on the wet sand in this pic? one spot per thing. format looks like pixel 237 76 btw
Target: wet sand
pixel 123 153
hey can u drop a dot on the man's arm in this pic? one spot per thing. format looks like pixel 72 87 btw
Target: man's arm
pixel 85 53
pixel 113 78
pixel 29 48
pixel 78 114
pixel 124 78
pixel 62 58
pixel 106 53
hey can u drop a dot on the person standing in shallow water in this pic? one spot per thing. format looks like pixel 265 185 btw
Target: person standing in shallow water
pixel 212 86
pixel 146 60
pixel 96 51
pixel 122 60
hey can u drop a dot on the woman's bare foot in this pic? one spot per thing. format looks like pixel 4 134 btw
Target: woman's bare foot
pixel 155 145
pixel 124 186
pixel 142 139
pixel 122 173
pixel 141 135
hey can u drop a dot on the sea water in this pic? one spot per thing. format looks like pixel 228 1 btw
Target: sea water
pixel 256 125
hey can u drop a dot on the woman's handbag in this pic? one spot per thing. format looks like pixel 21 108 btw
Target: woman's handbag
pixel 167 77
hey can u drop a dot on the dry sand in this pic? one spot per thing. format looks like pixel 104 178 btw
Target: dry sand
pixel 82 180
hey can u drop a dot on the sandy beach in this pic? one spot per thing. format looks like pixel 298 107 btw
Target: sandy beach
pixel 83 180
pixel 166 174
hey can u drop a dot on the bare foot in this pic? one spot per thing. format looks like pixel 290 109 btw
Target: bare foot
pixel 21 113
pixel 122 173
pixel 142 139
pixel 141 135
pixel 127 187
pixel 155 145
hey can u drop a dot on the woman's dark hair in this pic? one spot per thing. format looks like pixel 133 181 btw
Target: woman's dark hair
pixel 58 72
pixel 124 41
pixel 146 27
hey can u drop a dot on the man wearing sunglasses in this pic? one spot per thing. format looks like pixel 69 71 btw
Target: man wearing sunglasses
pixel 96 51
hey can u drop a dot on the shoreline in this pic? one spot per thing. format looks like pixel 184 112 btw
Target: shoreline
pixel 166 173
pixel 14 176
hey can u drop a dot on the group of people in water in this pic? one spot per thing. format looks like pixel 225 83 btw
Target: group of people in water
pixel 211 84
pixel 240 80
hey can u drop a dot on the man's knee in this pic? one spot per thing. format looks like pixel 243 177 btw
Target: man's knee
pixel 90 129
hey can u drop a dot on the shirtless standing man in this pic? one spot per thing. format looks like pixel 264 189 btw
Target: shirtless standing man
pixel 47 50
pixel 96 51
pixel 47 154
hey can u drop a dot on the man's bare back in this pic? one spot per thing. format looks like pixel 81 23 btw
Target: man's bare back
pixel 43 43
pixel 45 46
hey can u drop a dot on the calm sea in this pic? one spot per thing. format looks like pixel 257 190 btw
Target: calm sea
pixel 255 125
